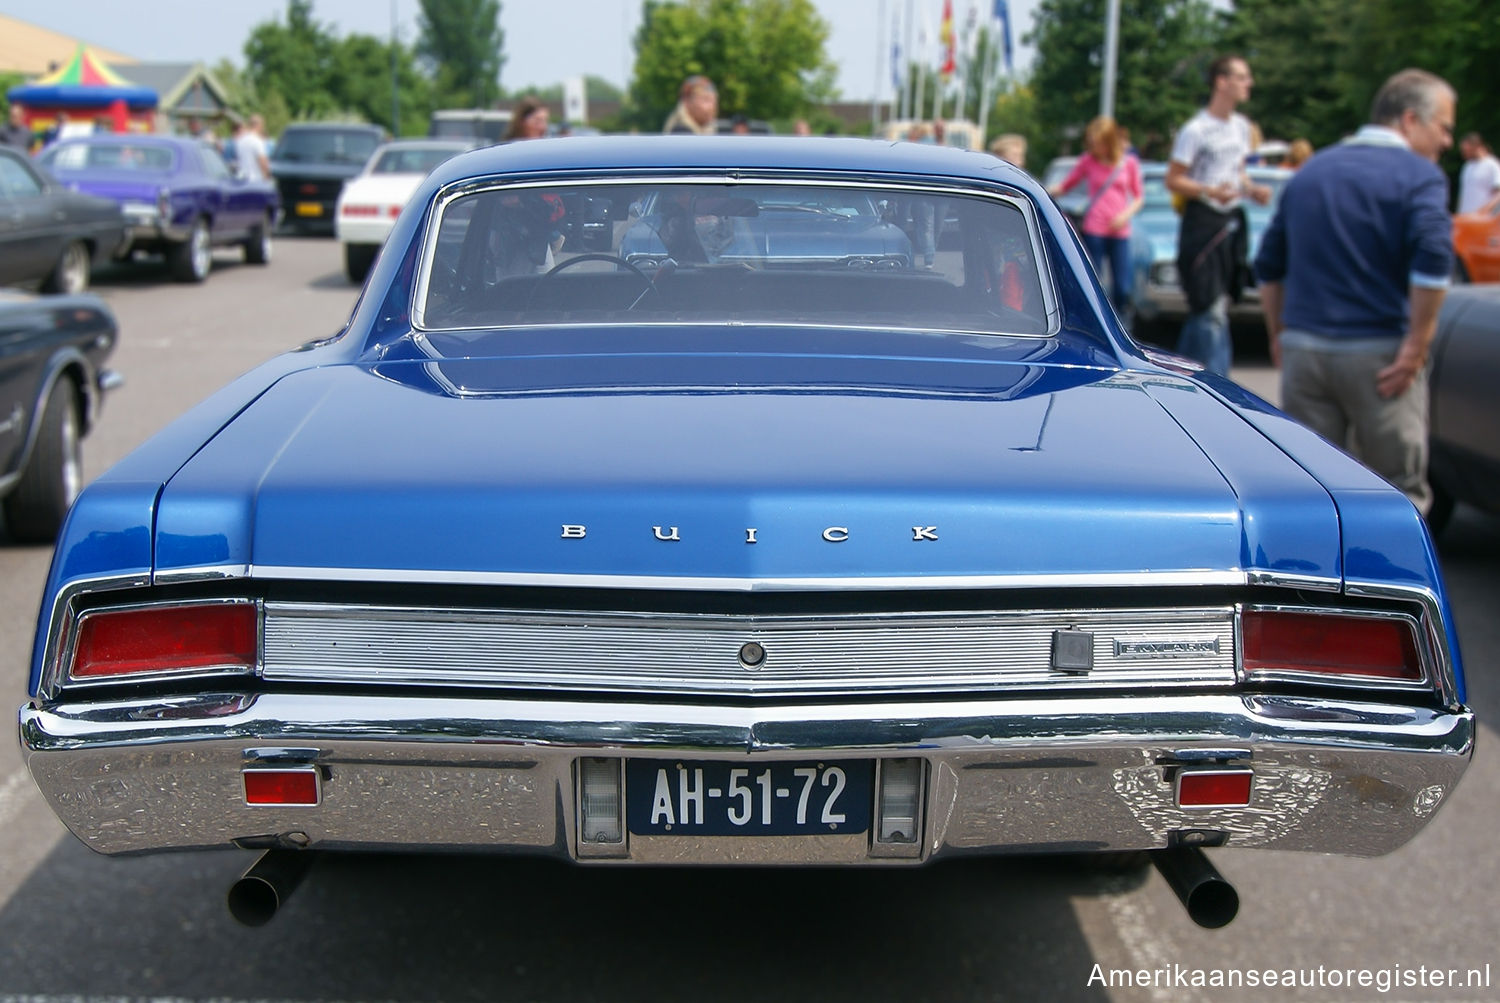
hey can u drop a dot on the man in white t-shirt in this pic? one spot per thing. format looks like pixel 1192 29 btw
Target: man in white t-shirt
pixel 250 150
pixel 1479 181
pixel 1207 172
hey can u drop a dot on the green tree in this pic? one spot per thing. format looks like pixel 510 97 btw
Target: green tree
pixel 360 69
pixel 765 56
pixel 463 46
pixel 292 61
pixel 1164 48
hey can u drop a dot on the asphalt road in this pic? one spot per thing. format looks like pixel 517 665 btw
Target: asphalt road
pixel 80 927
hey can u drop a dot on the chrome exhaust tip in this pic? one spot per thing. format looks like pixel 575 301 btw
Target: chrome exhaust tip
pixel 262 890
pixel 1210 900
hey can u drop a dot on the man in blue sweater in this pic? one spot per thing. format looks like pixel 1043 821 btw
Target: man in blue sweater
pixel 1352 272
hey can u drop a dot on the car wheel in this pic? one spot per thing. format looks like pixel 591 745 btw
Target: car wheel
pixel 357 261
pixel 71 275
pixel 191 260
pixel 53 475
pixel 258 246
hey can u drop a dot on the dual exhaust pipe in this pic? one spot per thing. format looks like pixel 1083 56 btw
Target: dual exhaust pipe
pixel 1210 900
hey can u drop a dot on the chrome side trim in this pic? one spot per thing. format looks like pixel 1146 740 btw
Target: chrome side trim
pixel 1129 579
pixel 1084 772
pixel 211 573
pixel 684 653
pixel 1277 579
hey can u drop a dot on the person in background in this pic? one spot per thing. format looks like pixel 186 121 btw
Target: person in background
pixel 1479 180
pixel 1207 171
pixel 697 110
pixel 739 125
pixel 801 128
pixel 1353 270
pixel 1297 154
pixel 1011 148
pixel 1113 181
pixel 17 133
pixel 528 120
pixel 250 150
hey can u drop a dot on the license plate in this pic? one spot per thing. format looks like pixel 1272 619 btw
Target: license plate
pixel 716 798
pixel 309 209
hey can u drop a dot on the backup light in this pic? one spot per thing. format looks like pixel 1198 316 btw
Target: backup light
pixel 600 801
pixel 282 787
pixel 899 806
pixel 1330 644
pixel 166 639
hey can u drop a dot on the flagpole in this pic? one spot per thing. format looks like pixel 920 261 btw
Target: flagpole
pixel 908 90
pixel 875 84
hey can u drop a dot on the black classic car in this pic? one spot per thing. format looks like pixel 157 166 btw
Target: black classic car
pixel 51 236
pixel 52 380
pixel 310 163
pixel 1465 459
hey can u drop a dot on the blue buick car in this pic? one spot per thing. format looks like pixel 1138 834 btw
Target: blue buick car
pixel 740 558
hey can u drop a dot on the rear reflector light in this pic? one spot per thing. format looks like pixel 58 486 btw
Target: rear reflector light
pixel 167 639
pixel 900 803
pixel 282 787
pixel 1330 644
pixel 601 801
pixel 1213 788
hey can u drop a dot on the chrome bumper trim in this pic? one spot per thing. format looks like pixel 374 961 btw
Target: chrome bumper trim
pixel 1034 775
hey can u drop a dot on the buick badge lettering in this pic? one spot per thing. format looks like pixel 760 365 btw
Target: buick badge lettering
pixel 924 533
pixel 750 535
pixel 574 532
pixel 832 534
pixel 1184 648
pixel 836 534
pixel 670 536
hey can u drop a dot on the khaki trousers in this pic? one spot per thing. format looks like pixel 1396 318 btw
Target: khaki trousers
pixel 1333 393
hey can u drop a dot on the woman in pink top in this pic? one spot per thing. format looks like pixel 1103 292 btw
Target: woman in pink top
pixel 1113 180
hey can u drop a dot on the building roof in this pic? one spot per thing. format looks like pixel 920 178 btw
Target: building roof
pixel 183 88
pixel 33 50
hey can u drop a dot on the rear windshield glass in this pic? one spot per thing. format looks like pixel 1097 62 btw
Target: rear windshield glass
pixel 113 156
pixel 326 146
pixel 412 160
pixel 780 253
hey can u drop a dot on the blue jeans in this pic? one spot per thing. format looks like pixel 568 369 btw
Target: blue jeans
pixel 1205 337
pixel 1115 250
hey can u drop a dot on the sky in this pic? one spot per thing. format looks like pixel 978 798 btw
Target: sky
pixel 546 41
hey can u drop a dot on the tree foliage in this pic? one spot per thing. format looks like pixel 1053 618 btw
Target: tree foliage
pixel 463 47
pixel 292 60
pixel 765 56
pixel 1164 48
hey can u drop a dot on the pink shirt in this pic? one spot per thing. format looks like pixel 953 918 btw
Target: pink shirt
pixel 1123 190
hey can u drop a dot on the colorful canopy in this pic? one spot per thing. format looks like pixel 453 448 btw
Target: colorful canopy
pixel 86 81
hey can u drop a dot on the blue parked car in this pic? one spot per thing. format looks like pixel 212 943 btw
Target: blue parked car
pixel 179 197
pixel 782 559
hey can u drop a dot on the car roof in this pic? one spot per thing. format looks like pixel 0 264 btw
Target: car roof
pixel 684 154
pixel 130 139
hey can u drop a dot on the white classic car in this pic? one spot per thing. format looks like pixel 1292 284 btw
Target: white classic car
pixel 371 200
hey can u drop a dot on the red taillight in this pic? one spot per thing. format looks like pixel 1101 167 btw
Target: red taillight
pixel 1213 788
pixel 167 639
pixel 393 211
pixel 282 787
pixel 1330 644
pixel 359 210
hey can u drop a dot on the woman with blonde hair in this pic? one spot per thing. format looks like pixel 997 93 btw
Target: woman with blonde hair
pixel 1113 181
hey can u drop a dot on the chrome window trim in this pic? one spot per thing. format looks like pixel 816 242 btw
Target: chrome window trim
pixel 731 176
pixel 1425 653
pixel 70 641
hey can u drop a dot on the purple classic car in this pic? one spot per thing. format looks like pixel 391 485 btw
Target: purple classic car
pixel 178 195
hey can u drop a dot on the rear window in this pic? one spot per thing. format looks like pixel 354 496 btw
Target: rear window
pixel 782 254
pixel 412 160
pixel 327 146
pixel 113 156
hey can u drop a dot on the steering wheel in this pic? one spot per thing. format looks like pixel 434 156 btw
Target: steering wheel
pixel 650 285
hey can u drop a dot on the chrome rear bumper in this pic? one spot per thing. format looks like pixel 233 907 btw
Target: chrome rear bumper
pixel 498 775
